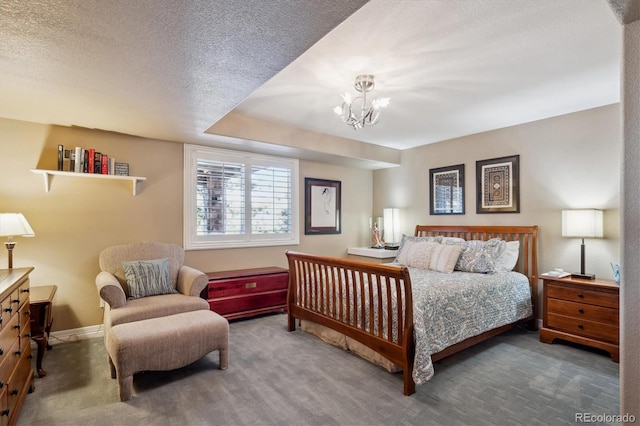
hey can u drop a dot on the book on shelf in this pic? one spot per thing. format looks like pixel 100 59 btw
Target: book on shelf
pixel 104 164
pixel 60 157
pixel 66 161
pixel 121 169
pixel 91 156
pixel 78 162
pixel 81 160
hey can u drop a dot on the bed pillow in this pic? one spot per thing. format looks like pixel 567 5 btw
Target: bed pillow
pixel 444 258
pixel 148 277
pixel 401 257
pixel 508 259
pixel 419 253
pixel 479 256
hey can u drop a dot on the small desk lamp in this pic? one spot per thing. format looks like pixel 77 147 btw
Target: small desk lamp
pixel 11 225
pixel 585 223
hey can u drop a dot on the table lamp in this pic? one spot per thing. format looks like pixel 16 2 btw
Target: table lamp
pixel 583 223
pixel 12 225
pixel 392 235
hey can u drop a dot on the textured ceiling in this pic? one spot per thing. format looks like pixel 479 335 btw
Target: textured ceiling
pixel 170 69
pixel 158 68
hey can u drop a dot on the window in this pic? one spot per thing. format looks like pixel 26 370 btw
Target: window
pixel 238 199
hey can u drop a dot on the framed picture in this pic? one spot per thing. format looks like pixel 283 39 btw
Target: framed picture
pixel 498 185
pixel 322 206
pixel 446 187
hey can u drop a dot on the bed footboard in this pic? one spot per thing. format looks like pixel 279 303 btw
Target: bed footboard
pixel 371 303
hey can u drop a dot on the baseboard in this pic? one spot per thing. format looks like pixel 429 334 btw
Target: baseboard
pixel 76 334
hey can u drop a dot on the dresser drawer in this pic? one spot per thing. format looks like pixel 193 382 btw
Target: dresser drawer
pixel 16 387
pixel 581 295
pixel 583 311
pixel 591 329
pixel 8 336
pixel 247 285
pixel 10 360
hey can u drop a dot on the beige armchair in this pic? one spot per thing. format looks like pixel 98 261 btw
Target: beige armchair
pixel 170 326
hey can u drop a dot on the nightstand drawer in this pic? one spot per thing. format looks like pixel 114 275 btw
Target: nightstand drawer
pixel 591 329
pixel 581 295
pixel 585 311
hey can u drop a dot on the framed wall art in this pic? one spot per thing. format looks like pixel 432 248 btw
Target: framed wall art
pixel 322 204
pixel 446 188
pixel 498 185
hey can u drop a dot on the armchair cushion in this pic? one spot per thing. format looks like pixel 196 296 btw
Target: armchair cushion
pixel 148 277
pixel 155 307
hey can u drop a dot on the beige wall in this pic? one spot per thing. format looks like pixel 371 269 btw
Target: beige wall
pixel 79 217
pixel 570 161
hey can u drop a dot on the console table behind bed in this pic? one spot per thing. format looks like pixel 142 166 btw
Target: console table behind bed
pixel 322 289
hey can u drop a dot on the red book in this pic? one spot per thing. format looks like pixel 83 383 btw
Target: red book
pixel 104 164
pixel 91 165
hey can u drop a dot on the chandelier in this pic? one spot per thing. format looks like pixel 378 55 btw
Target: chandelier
pixel 356 112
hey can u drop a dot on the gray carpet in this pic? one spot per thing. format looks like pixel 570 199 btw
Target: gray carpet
pixel 276 377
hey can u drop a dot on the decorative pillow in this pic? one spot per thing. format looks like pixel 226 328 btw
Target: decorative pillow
pixel 508 259
pixel 444 258
pixel 148 277
pixel 447 240
pixel 401 257
pixel 419 253
pixel 479 256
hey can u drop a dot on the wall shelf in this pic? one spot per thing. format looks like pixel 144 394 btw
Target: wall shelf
pixel 49 174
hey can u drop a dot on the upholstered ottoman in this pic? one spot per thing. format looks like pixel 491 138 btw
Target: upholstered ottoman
pixel 164 343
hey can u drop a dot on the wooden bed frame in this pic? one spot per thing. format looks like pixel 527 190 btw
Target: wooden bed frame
pixel 319 290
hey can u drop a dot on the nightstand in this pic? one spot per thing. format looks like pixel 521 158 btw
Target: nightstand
pixel 582 311
pixel 373 255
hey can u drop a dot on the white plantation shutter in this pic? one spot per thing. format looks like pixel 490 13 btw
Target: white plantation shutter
pixel 236 199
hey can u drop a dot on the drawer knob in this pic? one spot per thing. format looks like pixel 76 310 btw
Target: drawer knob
pixel 17 326
pixel 251 285
pixel 1 384
pixel 14 392
pixel 16 301
pixel 0 320
pixel 1 353
pixel 8 310
pixel 18 353
pixel 580 295
pixel 26 290
pixel 581 327
pixel 581 310
pixel 5 412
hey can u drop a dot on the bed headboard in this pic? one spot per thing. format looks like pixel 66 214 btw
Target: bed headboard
pixel 527 235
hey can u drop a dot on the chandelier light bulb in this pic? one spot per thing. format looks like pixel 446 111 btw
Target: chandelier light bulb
pixel 368 114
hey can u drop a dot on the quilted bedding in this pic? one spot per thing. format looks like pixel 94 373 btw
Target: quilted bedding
pixel 449 308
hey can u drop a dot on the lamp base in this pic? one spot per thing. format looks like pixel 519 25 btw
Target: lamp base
pixel 583 276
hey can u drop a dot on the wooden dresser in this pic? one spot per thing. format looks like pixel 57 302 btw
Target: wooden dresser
pixel 16 373
pixel 582 311
pixel 247 292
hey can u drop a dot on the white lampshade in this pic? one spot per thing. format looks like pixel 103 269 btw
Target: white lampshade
pixel 583 223
pixel 14 224
pixel 391 225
